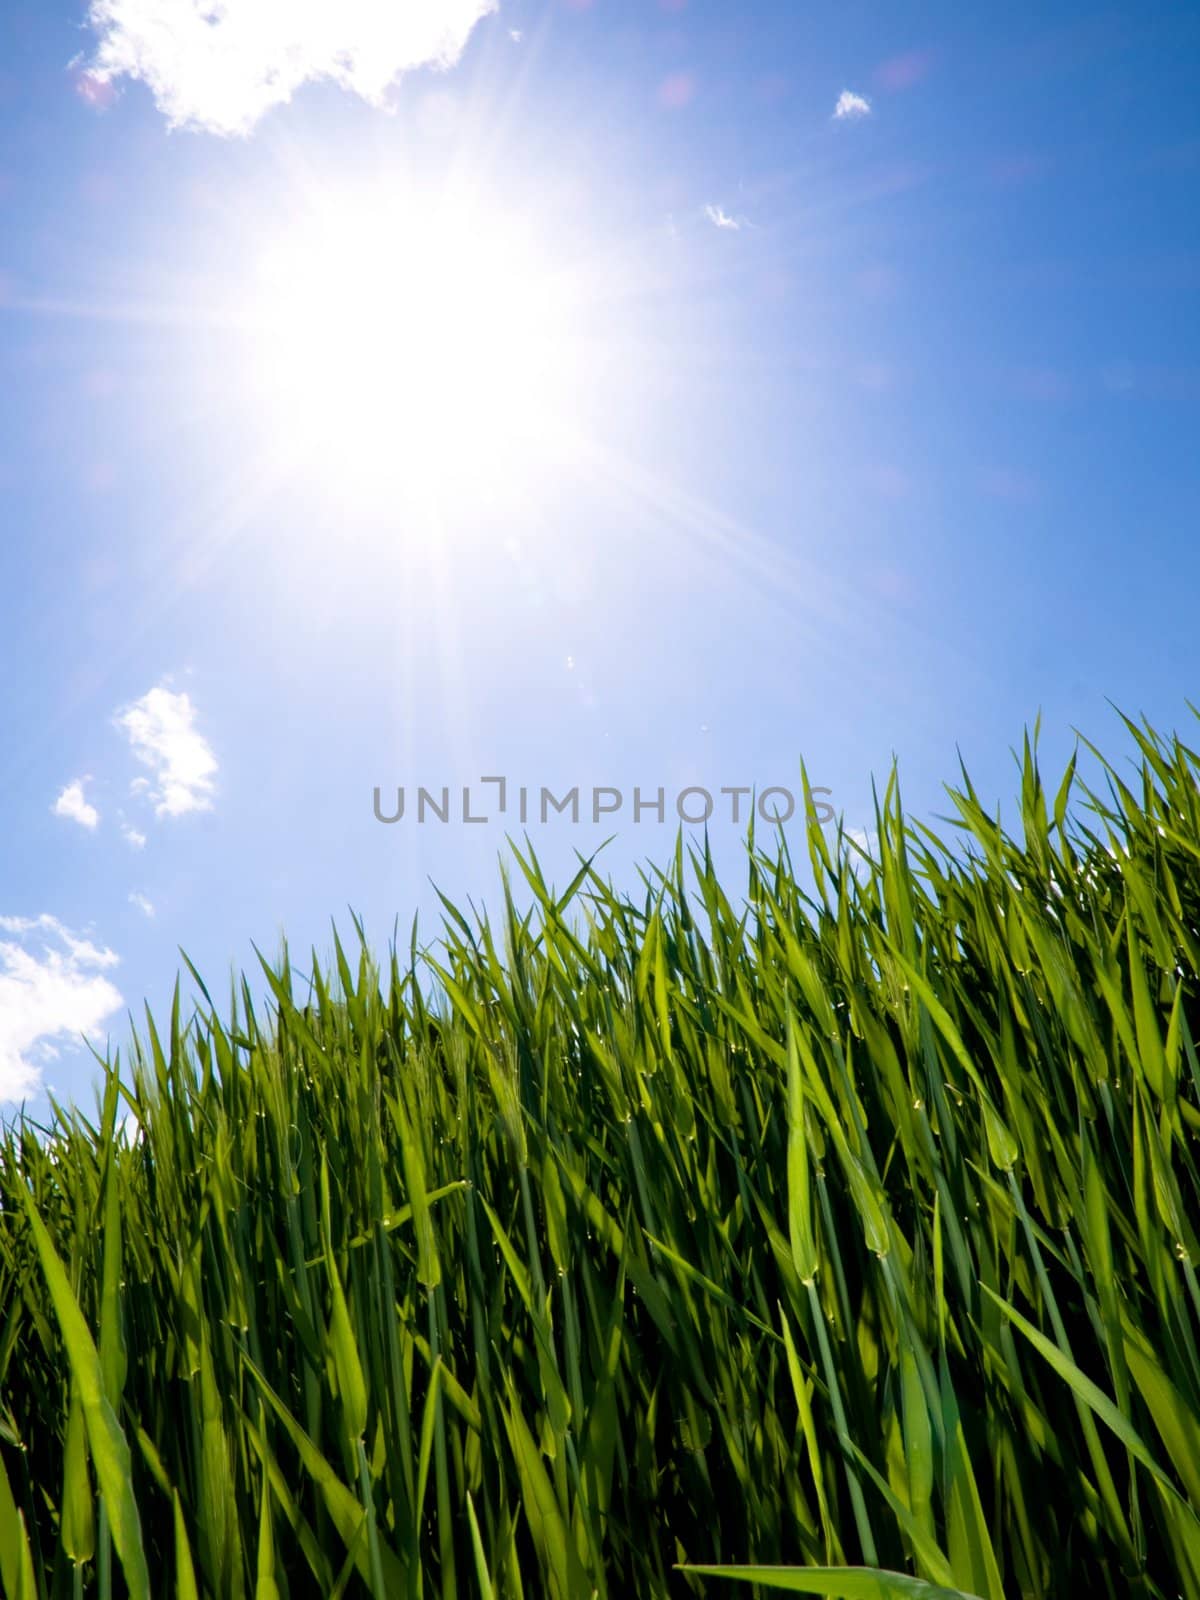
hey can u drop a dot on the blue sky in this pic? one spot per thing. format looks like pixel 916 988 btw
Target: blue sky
pixel 565 392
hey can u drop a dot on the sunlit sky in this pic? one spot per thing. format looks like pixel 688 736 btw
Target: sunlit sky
pixel 642 392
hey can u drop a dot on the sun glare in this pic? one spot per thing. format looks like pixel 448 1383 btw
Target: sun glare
pixel 395 344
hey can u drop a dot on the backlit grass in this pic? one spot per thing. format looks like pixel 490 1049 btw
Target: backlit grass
pixel 849 1228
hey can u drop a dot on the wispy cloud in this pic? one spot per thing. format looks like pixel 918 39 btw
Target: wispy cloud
pixel 851 106
pixel 53 988
pixel 134 837
pixel 143 904
pixel 720 218
pixel 161 728
pixel 220 65
pixel 861 850
pixel 74 804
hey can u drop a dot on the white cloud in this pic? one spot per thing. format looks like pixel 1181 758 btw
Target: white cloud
pixel 851 106
pixel 73 803
pixel 134 837
pixel 52 989
pixel 220 65
pixel 161 728
pixel 867 842
pixel 142 903
pixel 720 218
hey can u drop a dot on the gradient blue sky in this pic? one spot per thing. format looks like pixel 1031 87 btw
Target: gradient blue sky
pixel 886 426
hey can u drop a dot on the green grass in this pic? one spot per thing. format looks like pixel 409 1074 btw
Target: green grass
pixel 795 1232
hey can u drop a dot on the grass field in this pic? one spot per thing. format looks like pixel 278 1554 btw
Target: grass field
pixel 711 1227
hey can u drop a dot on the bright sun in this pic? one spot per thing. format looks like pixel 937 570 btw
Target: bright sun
pixel 395 343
